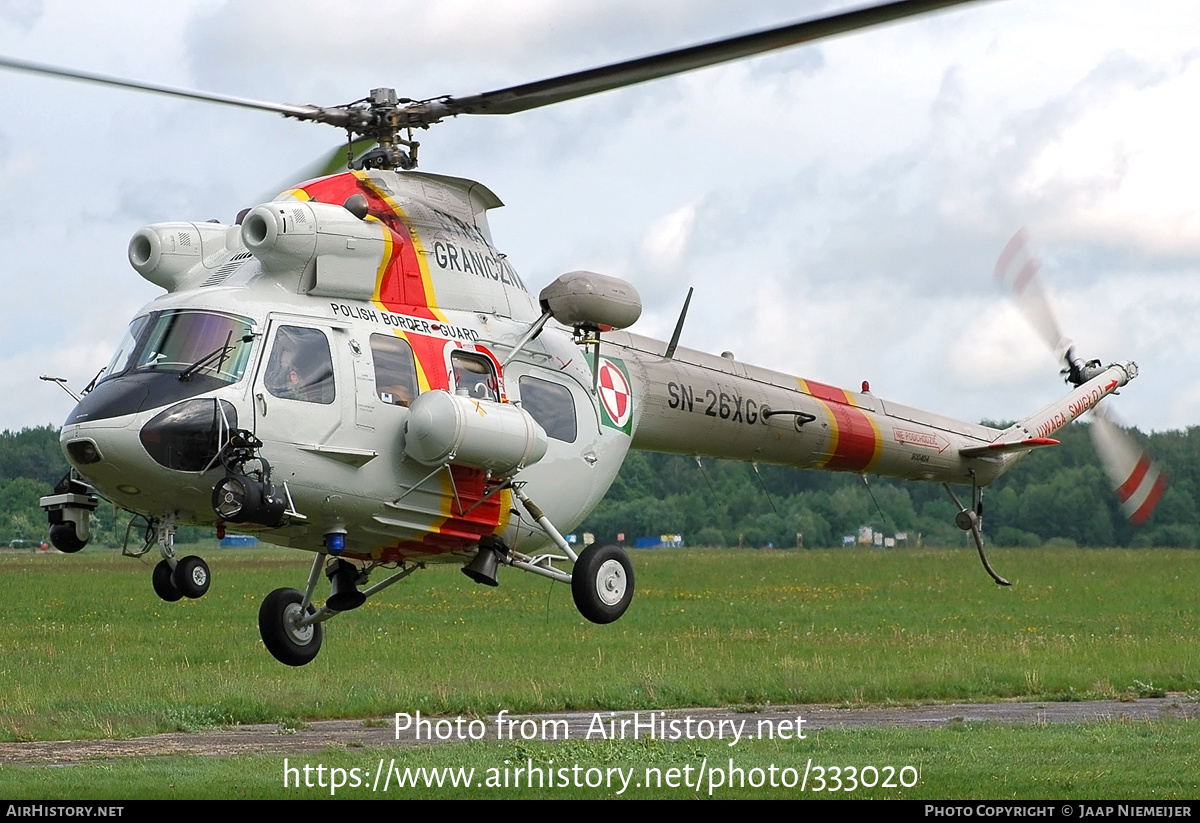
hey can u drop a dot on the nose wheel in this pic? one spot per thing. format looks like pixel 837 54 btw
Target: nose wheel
pixel 174 579
pixel 189 578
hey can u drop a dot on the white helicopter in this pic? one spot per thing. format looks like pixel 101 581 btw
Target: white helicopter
pixel 354 369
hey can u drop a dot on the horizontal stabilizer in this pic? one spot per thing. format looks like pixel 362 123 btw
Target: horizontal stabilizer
pixel 996 449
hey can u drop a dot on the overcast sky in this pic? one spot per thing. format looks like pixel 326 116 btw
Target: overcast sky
pixel 838 207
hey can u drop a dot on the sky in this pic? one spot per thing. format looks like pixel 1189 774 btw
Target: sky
pixel 838 207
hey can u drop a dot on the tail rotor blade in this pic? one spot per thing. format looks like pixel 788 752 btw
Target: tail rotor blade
pixel 1017 270
pixel 1136 479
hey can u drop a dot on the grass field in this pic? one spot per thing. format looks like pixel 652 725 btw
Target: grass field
pixel 89 651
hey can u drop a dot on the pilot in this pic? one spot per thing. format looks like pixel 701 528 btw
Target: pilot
pixel 300 367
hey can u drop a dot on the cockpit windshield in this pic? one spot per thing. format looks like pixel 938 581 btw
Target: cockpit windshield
pixel 185 343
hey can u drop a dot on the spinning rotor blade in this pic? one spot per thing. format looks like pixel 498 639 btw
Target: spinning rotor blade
pixel 630 72
pixel 329 163
pixel 302 112
pixel 383 115
pixel 1017 270
pixel 1135 479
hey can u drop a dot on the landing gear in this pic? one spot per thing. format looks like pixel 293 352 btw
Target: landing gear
pixel 969 520
pixel 191 576
pixel 602 583
pixel 164 586
pixel 175 579
pixel 602 579
pixel 287 636
pixel 290 624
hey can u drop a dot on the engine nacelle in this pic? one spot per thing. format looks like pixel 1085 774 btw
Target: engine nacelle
pixel 170 254
pixel 450 428
pixel 346 252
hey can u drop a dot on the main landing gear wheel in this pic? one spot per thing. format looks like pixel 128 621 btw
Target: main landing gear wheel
pixel 288 642
pixel 192 576
pixel 602 583
pixel 164 586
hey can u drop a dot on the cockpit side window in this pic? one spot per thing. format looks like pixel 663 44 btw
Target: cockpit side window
pixel 395 369
pixel 474 375
pixel 300 366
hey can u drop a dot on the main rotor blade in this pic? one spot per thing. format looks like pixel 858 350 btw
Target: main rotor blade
pixel 301 112
pixel 362 120
pixel 583 83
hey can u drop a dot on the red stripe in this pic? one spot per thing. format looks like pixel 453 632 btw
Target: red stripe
pixel 1146 509
pixel 403 288
pixel 1010 251
pixel 857 439
pixel 479 521
pixel 823 391
pixel 1127 489
pixel 1025 275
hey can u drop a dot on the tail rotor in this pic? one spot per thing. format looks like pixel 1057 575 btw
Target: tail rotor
pixel 1135 478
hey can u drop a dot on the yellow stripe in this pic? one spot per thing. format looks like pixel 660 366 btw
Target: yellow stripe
pixel 426 279
pixel 388 244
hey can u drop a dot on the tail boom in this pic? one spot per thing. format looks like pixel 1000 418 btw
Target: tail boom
pixel 1048 420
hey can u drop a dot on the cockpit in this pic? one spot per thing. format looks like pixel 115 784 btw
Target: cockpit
pixel 186 343
pixel 167 356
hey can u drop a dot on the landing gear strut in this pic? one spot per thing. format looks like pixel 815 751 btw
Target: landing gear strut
pixel 289 623
pixel 969 521
pixel 602 579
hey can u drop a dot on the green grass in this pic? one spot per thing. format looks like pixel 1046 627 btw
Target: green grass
pixel 1104 761
pixel 89 651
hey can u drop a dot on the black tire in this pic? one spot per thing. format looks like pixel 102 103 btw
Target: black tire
pixel 289 645
pixel 164 586
pixel 602 583
pixel 192 576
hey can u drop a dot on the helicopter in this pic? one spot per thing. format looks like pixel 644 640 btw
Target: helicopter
pixel 354 369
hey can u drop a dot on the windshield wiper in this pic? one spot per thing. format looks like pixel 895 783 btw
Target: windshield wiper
pixel 187 373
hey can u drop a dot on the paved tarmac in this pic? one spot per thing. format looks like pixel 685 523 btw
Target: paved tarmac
pixel 381 732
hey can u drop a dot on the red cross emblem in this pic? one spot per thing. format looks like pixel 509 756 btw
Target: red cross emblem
pixel 614 393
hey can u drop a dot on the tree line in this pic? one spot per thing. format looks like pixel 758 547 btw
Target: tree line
pixel 1057 496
